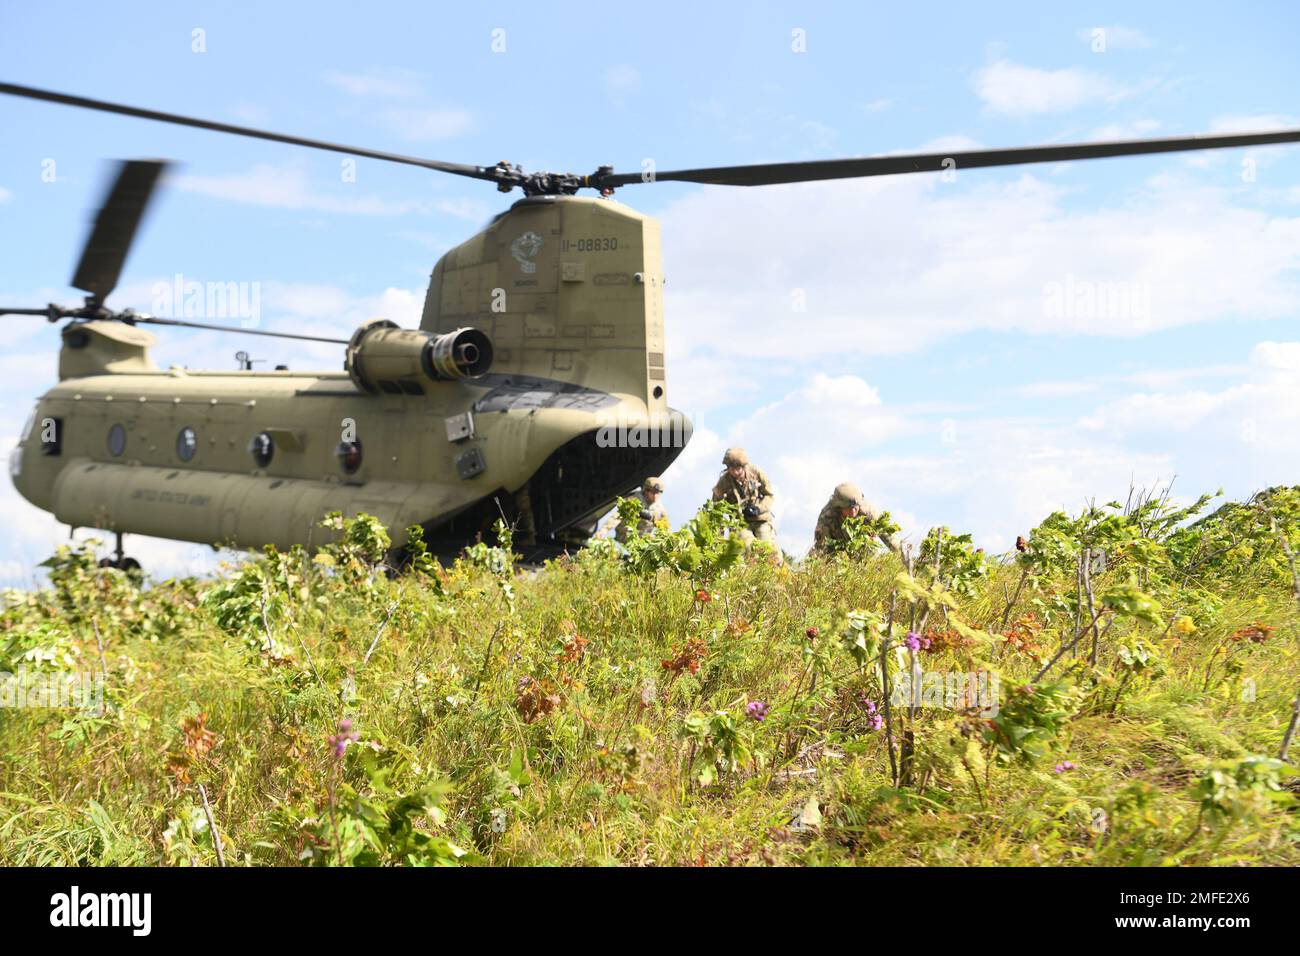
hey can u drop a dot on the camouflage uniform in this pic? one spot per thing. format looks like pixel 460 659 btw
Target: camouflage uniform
pixel 653 515
pixel 830 521
pixel 525 527
pixel 753 488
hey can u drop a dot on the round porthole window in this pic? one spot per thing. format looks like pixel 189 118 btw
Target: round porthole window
pixel 261 448
pixel 116 440
pixel 349 455
pixel 187 443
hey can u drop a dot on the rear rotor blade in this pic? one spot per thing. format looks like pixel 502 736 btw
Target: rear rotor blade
pixel 96 313
pixel 115 226
pixel 774 173
pixel 51 312
pixel 459 169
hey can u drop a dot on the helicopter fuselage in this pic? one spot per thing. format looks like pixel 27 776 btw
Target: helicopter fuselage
pixel 567 289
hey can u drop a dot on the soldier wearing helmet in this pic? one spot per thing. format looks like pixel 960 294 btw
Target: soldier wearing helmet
pixel 846 502
pixel 745 484
pixel 653 515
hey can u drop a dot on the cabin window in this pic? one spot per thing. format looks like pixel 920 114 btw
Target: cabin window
pixel 349 455
pixel 262 448
pixel 51 436
pixel 187 443
pixel 117 440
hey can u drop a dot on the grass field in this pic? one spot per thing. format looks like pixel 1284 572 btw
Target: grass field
pixel 682 704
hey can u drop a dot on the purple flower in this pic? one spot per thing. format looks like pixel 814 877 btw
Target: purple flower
pixel 876 721
pixel 913 640
pixel 346 735
pixel 867 704
pixel 1064 765
pixel 756 710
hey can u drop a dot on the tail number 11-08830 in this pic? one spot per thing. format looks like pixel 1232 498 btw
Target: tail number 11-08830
pixel 599 244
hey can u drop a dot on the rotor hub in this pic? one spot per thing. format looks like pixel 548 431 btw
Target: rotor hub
pixel 508 176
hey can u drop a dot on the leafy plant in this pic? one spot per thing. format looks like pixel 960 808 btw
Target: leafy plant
pixel 703 549
pixel 720 744
pixel 379 825
pixel 864 536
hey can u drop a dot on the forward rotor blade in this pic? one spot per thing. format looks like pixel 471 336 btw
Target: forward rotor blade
pixel 459 169
pixel 774 173
pixel 153 320
pixel 115 226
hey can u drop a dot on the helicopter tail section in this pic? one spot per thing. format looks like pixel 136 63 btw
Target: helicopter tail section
pixel 569 289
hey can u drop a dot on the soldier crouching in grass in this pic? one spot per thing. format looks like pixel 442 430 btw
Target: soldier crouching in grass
pixel 745 485
pixel 652 516
pixel 846 502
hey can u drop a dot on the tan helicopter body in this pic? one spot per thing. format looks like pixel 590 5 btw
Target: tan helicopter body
pixel 542 339
pixel 569 292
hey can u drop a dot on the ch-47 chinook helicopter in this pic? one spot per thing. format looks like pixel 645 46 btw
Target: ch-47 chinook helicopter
pixel 537 334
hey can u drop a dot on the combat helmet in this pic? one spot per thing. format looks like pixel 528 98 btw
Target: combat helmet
pixel 735 456
pixel 847 495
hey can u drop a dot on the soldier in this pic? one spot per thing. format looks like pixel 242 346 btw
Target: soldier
pixel 653 515
pixel 747 486
pixel 846 502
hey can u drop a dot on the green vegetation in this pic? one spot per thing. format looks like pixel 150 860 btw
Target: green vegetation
pixel 1117 690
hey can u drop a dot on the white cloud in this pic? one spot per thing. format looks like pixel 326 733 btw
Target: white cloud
pixel 895 264
pixel 471 210
pixel 994 477
pixel 698 384
pixel 388 82
pixel 1277 355
pixel 31 372
pixel 1018 90
pixel 5 195
pixel 1168 378
pixel 999 476
pixel 1252 423
pixel 1055 389
pixel 412 123
pixel 1252 123
pixel 287 187
pixel 251 113
pixel 426 124
pixel 295 307
pixel 877 105
pixel 1135 129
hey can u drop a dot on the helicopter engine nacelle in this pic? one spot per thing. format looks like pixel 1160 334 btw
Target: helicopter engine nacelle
pixel 385 358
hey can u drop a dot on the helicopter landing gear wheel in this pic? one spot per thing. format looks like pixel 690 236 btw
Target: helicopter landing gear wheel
pixel 120 561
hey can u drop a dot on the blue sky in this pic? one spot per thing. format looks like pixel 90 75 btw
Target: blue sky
pixel 928 364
